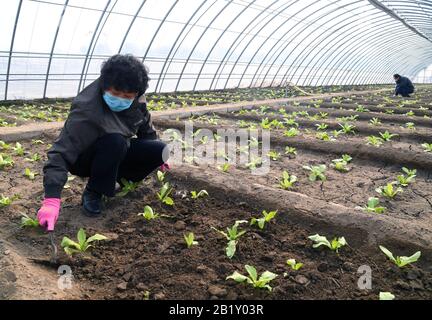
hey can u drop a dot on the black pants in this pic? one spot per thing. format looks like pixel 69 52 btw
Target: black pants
pixel 405 92
pixel 109 159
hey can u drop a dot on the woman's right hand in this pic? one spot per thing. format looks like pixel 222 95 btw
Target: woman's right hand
pixel 48 213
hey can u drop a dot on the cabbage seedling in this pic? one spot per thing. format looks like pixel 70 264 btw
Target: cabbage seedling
pixel 316 172
pixel 261 282
pixel 401 261
pixel 83 244
pixel 340 165
pixel 324 136
pixel 291 151
pixel 190 239
pixel 225 167
pixel 148 213
pixel 232 235
pixel 347 128
pixel 196 195
pixel 287 181
pixel 267 217
pixel 128 186
pixel 274 155
pixel 18 149
pixel 389 191
pixel 160 176
pixel 410 173
pixel 321 127
pixel 4 145
pixel 6 201
pixel 5 161
pixel 254 163
pixel 28 222
pixel 373 206
pixel 292 132
pixel 386 296
pixel 34 158
pixel 163 194
pixel 29 174
pixel 410 125
pixel 375 122
pixel 426 146
pixel 387 136
pixel 294 264
pixel 374 140
pixel 404 181
pixel 334 245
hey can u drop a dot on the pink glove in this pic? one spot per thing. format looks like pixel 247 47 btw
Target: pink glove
pixel 48 213
pixel 165 167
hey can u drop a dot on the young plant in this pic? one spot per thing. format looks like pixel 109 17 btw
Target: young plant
pixel 5 161
pixel 294 264
pixel 404 181
pixel 387 136
pixel 334 245
pixel 30 174
pixel 6 201
pixel 18 149
pixel 324 136
pixel 389 191
pixel 128 186
pixel 340 165
pixel 225 167
pixel 274 155
pixel 291 151
pixel 386 296
pixel 374 140
pixel 232 235
pixel 28 222
pixel 292 132
pixel 426 146
pixel 83 244
pixel 160 176
pixel 321 127
pixel 261 282
pixel 267 217
pixel 34 158
pixel 190 239
pixel 149 213
pixel 375 122
pixel 373 206
pixel 410 125
pixel 401 261
pixel 316 172
pixel 254 163
pixel 347 128
pixel 287 181
pixel 164 194
pixel 196 195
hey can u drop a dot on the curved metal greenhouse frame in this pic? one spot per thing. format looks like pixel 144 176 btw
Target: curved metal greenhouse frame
pixel 54 48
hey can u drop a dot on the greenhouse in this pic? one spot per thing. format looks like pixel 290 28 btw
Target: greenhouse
pixel 215 150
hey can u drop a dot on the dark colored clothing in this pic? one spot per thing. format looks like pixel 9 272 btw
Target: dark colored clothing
pixel 404 87
pixel 109 159
pixel 90 118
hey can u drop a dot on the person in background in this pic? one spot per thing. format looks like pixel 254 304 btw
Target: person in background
pixel 107 136
pixel 404 86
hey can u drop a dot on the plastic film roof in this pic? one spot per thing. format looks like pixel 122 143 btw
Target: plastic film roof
pixel 54 48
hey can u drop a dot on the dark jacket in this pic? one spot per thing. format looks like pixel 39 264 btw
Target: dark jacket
pixel 404 86
pixel 91 118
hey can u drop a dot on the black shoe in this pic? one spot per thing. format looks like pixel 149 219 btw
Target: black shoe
pixel 92 203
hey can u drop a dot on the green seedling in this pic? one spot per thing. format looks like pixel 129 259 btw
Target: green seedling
pixel 225 167
pixel 386 296
pixel 28 222
pixel 426 146
pixel 389 191
pixel 274 155
pixel 347 128
pixel 18 149
pixel 163 194
pixel 324 136
pixel 4 145
pixel 374 140
pixel 30 174
pixel 410 173
pixel 361 108
pixel 404 181
pixel 254 163
pixel 334 245
pixel 7 201
pixel 375 122
pixel 291 151
pixel 373 206
pixel 128 186
pixel 294 264
pixel 34 158
pixel 387 136
pixel 149 213
pixel 71 247
pixel 401 261
pixel 292 132
pixel 190 239
pixel 410 125
pixel 410 113
pixel 5 161
pixel 340 165
pixel 322 126
pixel 287 181
pixel 316 172
pixel 201 194
pixel 267 217
pixel 232 235
pixel 261 282
pixel 160 176
pixel 337 133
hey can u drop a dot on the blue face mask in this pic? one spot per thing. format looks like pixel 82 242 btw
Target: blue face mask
pixel 117 104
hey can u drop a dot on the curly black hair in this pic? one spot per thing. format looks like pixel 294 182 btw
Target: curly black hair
pixel 124 73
